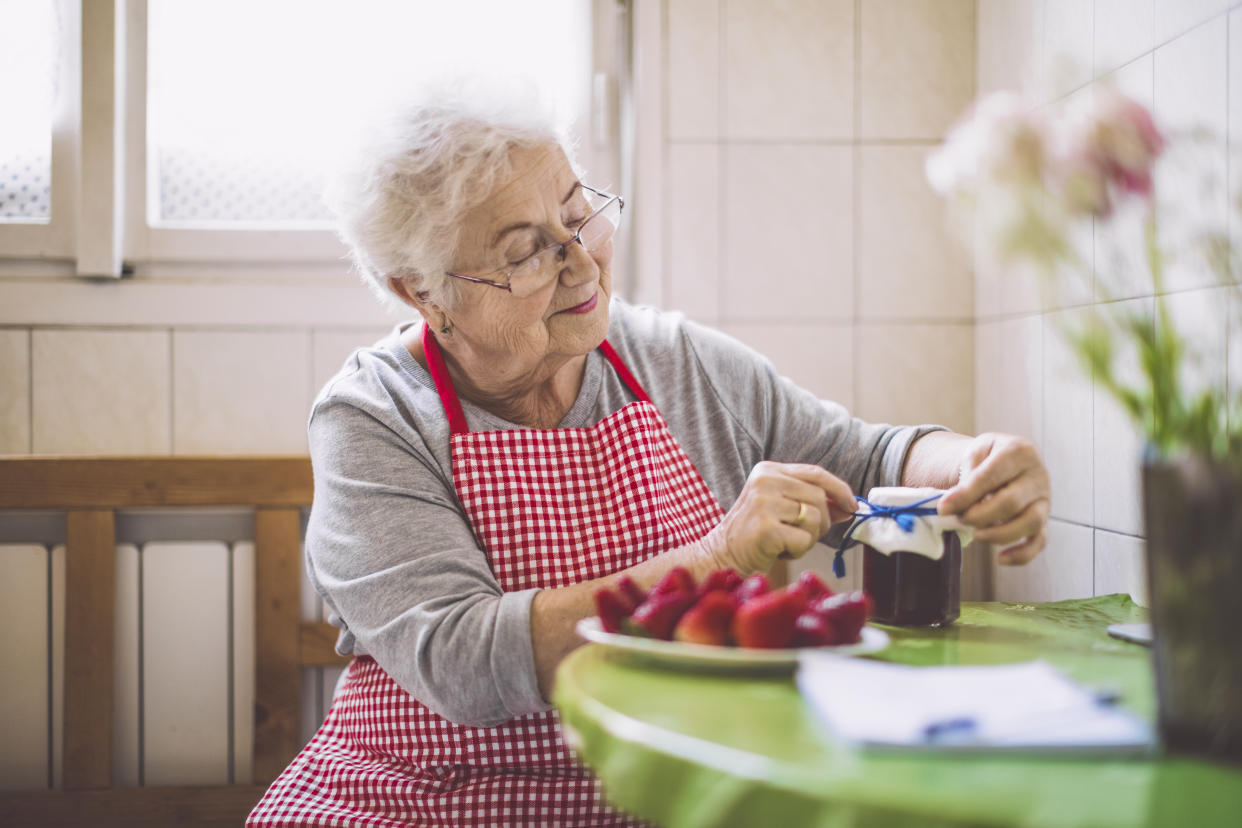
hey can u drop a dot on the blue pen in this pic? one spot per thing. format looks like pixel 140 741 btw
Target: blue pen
pixel 961 726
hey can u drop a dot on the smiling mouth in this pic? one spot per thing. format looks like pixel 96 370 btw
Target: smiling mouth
pixel 585 307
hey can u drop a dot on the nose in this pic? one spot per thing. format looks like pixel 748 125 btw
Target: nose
pixel 577 265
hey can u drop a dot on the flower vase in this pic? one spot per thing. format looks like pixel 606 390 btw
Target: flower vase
pixel 1193 512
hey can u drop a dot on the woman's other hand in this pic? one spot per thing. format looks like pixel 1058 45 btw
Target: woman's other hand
pixel 783 510
pixel 1003 492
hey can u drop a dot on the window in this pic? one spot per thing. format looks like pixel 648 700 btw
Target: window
pixel 205 126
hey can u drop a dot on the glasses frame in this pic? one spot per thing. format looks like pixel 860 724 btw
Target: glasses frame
pixel 576 237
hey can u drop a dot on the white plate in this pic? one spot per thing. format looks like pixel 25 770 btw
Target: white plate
pixel 679 654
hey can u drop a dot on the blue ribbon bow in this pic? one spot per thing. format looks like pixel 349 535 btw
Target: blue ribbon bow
pixel 904 515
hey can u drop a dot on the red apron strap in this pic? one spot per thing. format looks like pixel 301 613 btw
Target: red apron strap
pixel 623 372
pixel 444 383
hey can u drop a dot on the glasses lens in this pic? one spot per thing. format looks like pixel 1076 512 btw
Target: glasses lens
pixel 599 228
pixel 526 278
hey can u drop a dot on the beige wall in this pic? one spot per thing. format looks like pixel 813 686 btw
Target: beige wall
pixel 1184 59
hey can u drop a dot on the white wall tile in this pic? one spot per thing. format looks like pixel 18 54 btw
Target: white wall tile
pixel 788 233
pixel 330 349
pixel 789 69
pixel 819 561
pixel 1064 570
pixel 692 108
pixel 1010 36
pixel 1173 17
pixel 909 266
pixel 243 662
pixel 909 374
pixel 1067 446
pixel 1235 129
pixel 1118 441
pixel 185 663
pixel 1009 377
pixel 100 392
pixel 818 357
pixel 14 391
pixel 24 692
pixel 1068 44
pixel 1120 566
pixel 125 705
pixel 692 232
pixel 1121 268
pixel 1190 93
pixel 1124 29
pixel 240 392
pixel 917 64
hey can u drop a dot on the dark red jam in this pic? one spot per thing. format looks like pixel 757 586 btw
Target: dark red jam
pixel 912 590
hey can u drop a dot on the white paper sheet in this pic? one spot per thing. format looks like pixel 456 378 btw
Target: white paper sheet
pixel 1014 706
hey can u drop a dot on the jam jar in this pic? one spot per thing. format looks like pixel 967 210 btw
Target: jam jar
pixel 909 589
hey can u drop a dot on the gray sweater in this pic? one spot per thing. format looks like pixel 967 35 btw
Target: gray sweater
pixel 390 549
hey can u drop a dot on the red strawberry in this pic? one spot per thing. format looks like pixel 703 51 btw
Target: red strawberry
pixel 656 617
pixel 613 609
pixel 722 580
pixel 678 579
pixel 813 630
pixel 631 592
pixel 707 622
pixel 752 587
pixel 846 612
pixel 811 586
pixel 767 620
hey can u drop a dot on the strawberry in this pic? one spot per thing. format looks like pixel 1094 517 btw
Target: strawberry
pixel 678 579
pixel 722 580
pixel 613 609
pixel 656 617
pixel 631 592
pixel 708 621
pixel 846 612
pixel 767 620
pixel 752 587
pixel 811 586
pixel 813 630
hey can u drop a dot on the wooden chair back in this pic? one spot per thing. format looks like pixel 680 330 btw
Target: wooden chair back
pixel 90 491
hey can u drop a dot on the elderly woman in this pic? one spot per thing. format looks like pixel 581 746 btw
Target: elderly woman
pixel 479 475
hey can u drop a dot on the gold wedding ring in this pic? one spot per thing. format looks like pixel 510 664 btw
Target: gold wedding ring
pixel 801 514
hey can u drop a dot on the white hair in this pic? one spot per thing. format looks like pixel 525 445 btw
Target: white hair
pixel 420 167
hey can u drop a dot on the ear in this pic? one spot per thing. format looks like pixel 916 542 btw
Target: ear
pixel 403 287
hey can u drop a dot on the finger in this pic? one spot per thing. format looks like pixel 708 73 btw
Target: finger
pixel 813 518
pixel 840 496
pixel 1004 504
pixel 1027 524
pixel 1000 467
pixel 795 540
pixel 1023 552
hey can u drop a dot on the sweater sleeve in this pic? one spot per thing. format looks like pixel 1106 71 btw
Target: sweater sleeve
pixel 391 550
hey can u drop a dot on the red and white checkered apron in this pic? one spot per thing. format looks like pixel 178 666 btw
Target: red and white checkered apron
pixel 551 507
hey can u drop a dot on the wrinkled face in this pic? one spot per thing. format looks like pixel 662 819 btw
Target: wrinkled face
pixel 541 202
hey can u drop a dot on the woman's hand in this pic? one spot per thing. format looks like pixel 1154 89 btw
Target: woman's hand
pixel 783 509
pixel 1003 493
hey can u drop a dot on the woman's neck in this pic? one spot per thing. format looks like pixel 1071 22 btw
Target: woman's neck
pixel 536 398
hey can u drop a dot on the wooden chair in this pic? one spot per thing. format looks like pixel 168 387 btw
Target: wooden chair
pixel 90 490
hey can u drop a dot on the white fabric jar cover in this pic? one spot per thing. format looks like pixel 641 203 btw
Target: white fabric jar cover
pixel 886 534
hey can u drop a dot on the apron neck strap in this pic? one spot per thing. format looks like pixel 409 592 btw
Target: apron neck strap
pixel 448 394
pixel 444 383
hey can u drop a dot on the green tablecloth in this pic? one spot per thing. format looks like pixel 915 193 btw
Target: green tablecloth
pixel 692 749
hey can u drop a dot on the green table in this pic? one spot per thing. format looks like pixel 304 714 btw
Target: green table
pixel 691 749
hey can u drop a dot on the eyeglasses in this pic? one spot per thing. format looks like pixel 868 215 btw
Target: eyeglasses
pixel 602 214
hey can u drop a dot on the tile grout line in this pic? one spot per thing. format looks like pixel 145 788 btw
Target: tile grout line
pixel 30 390
pixel 142 701
pixel 172 391
pixel 855 201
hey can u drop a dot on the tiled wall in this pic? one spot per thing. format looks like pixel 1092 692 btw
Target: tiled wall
pixel 1184 59
pixel 797 215
pixel 159 390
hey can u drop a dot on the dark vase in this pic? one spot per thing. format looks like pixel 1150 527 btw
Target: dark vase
pixel 1193 510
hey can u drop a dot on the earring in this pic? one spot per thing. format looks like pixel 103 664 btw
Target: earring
pixel 445 329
